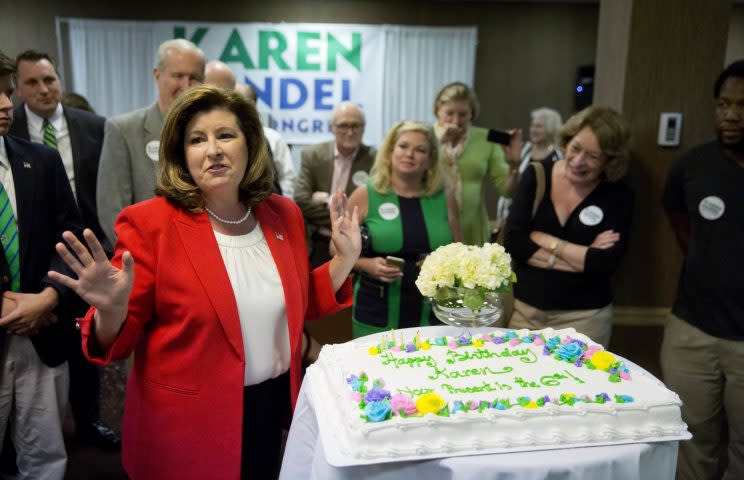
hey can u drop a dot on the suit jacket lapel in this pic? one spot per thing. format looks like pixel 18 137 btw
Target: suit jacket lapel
pixel 74 128
pixel 283 254
pixel 204 254
pixel 23 181
pixel 153 120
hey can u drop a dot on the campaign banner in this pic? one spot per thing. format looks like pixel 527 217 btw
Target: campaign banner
pixel 300 71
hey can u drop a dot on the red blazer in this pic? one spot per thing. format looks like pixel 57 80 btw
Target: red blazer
pixel 184 403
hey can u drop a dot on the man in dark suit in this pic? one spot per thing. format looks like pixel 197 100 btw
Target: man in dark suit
pixel 78 136
pixel 37 206
pixel 342 163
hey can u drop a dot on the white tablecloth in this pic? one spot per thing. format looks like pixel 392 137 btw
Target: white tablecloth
pixel 304 457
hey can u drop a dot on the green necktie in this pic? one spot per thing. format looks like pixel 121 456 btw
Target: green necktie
pixel 50 139
pixel 9 238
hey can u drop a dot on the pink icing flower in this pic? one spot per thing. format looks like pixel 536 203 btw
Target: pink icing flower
pixel 539 341
pixel 395 348
pixel 590 351
pixel 624 375
pixel 403 402
pixel 474 404
pixel 452 344
pixel 356 396
pixel 514 342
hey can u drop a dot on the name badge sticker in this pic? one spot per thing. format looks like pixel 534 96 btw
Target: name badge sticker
pixel 711 207
pixel 591 215
pixel 359 178
pixel 388 211
pixel 152 149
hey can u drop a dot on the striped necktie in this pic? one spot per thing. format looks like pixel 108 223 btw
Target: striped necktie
pixel 9 238
pixel 50 139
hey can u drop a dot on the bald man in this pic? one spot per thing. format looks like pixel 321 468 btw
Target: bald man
pixel 218 73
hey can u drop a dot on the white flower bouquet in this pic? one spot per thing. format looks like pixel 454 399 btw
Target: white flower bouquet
pixel 458 275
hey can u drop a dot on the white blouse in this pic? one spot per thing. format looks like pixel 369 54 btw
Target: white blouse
pixel 261 306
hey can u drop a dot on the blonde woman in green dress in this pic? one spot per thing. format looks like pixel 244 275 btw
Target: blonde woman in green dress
pixel 468 157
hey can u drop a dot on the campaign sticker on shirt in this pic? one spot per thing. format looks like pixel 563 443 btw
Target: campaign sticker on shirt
pixel 388 211
pixel 153 150
pixel 591 215
pixel 359 178
pixel 711 207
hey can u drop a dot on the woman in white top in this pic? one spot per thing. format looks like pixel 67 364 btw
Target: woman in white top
pixel 544 127
pixel 209 286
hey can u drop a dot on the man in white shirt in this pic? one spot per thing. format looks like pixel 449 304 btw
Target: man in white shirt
pixel 78 136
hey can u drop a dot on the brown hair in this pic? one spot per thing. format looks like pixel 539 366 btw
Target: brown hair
pixel 457 91
pixel 36 56
pixel 7 66
pixel 382 170
pixel 612 133
pixel 176 184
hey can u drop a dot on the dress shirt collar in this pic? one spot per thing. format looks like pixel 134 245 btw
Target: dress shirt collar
pixel 337 155
pixel 4 161
pixel 36 123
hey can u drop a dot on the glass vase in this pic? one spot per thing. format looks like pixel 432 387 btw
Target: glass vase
pixel 453 312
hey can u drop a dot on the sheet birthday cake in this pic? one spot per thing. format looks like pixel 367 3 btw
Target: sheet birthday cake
pixel 520 390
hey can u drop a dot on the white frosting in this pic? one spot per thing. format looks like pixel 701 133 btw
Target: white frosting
pixel 654 412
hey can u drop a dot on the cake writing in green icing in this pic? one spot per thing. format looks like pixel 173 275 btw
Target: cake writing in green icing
pixel 379 405
pixel 566 349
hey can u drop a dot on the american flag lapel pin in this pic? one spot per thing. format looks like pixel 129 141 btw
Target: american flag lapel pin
pixel 26 165
pixel 279 235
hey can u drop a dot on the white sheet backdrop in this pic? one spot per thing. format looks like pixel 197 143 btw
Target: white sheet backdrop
pixel 110 63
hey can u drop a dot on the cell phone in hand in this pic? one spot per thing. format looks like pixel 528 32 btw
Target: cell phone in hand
pixel 396 262
pixel 499 136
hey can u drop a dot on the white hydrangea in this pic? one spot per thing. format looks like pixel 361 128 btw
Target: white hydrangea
pixel 458 265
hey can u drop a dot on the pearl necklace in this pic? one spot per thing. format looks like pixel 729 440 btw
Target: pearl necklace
pixel 230 222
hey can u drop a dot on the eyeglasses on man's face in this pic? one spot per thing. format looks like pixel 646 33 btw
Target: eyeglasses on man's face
pixel 349 127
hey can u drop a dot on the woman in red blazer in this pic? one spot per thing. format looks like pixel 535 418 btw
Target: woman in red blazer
pixel 176 298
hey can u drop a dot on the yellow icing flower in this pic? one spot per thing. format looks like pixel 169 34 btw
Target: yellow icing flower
pixel 429 403
pixel 478 343
pixel 374 350
pixel 425 345
pixel 602 360
pixel 531 405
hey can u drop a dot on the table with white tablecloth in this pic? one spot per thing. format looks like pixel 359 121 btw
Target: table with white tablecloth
pixel 305 457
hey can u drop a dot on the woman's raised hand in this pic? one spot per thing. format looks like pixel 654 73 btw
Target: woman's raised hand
pixel 345 237
pixel 99 283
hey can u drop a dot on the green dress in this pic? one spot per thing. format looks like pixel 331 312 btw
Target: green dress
pixel 408 228
pixel 478 159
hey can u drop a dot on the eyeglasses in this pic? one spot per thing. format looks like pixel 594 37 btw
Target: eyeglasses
pixel 346 127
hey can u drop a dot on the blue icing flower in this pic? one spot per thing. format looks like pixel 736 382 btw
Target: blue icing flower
pixel 626 398
pixel 377 411
pixel 569 351
pixel 463 340
pixel 527 339
pixel 440 341
pixel 509 335
pixel 553 342
pixel 457 406
pixel 578 342
pixel 377 394
pixel 354 382
pixel 499 406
